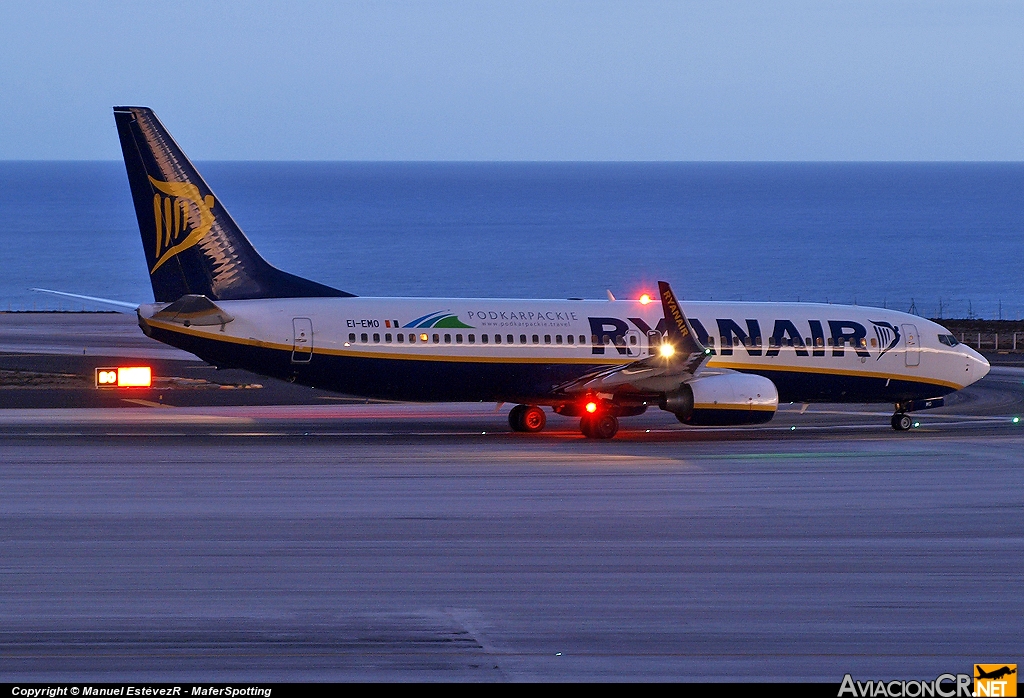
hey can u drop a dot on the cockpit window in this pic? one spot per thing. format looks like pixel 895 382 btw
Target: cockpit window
pixel 948 339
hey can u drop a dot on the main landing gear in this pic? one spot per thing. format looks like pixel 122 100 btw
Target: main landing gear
pixel 594 425
pixel 599 425
pixel 527 418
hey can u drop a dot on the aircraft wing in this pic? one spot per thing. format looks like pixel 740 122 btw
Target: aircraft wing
pixel 676 361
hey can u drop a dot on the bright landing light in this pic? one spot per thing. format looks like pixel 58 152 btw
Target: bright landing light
pixel 667 350
pixel 645 299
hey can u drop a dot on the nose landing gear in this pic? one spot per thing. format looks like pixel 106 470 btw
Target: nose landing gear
pixel 901 421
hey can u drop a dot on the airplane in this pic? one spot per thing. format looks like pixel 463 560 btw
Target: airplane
pixel 996 674
pixel 708 363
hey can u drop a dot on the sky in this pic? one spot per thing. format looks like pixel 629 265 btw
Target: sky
pixel 522 80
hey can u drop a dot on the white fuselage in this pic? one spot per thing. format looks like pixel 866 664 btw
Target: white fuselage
pixel 813 352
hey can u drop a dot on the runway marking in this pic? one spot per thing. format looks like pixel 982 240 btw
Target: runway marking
pixel 144 403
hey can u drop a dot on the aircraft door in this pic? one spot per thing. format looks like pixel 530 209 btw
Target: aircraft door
pixel 913 348
pixel 634 343
pixel 654 341
pixel 302 344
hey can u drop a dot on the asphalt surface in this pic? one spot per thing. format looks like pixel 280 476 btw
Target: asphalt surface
pixel 331 541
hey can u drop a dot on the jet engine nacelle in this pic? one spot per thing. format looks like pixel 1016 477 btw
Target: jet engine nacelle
pixel 723 399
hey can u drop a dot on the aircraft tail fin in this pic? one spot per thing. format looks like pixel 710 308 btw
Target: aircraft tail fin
pixel 192 244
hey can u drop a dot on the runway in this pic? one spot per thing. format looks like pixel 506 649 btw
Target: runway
pixel 334 541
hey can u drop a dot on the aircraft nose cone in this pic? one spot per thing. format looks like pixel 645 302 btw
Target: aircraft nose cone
pixel 977 365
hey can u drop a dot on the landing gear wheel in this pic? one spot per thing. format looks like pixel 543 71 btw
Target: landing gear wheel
pixel 532 419
pixel 901 421
pixel 528 418
pixel 515 418
pixel 599 426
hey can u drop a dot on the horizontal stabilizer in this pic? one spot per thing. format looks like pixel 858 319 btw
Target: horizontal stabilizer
pixel 127 307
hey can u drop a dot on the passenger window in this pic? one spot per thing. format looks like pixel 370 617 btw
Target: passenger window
pixel 412 339
pixel 632 339
pixel 363 338
pixel 593 339
pixel 400 337
pixel 522 339
pixel 423 336
pixel 547 339
pixel 472 339
pixel 437 339
pixel 376 338
pixel 497 339
pixel 510 339
pixel 352 337
pixel 558 339
pixel 583 340
pixel 387 338
pixel 458 339
pixel 863 342
pixel 447 339
pixel 536 339
pixel 483 339
pixel 569 338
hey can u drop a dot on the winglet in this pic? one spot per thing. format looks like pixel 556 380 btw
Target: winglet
pixel 680 334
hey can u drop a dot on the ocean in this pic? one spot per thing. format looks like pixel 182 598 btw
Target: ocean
pixel 939 239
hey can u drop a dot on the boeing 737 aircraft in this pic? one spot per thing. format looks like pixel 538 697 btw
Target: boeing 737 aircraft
pixel 708 363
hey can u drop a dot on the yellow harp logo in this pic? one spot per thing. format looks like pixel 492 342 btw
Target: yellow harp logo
pixel 182 218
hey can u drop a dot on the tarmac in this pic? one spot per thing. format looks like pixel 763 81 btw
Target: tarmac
pixel 275 533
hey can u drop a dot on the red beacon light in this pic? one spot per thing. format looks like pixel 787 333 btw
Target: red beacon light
pixel 124 377
pixel 591 407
